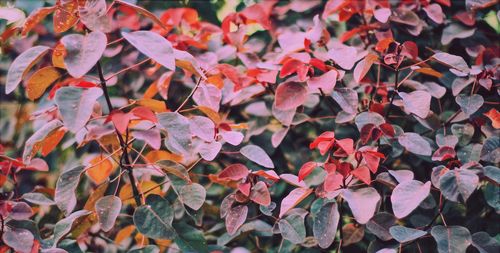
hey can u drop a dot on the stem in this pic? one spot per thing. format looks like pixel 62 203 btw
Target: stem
pixel 120 139
pixel 189 96
pixel 396 86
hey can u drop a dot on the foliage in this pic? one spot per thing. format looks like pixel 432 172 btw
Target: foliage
pixel 273 126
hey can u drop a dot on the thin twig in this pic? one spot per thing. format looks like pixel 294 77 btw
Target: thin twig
pixel 189 96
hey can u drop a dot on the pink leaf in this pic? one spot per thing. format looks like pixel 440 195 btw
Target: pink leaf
pixel 363 67
pixel 293 199
pixel 325 82
pixel 236 216
pixel 260 194
pixel 290 95
pixel 234 172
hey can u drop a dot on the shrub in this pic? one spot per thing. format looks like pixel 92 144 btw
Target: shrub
pixel 206 126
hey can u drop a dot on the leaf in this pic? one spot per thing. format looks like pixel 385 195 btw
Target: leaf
pixel 107 209
pixel 352 233
pixel 65 189
pixel 143 12
pixel 344 56
pixel 179 134
pixel 455 31
pixel 434 12
pixel 407 196
pixel 290 95
pixel 93 15
pixel 258 155
pixel 234 172
pixel 453 61
pixel 469 104
pixel 40 81
pixel 293 199
pixel 260 194
pixel 485 243
pixel 451 239
pixel 209 97
pixel 65 16
pixel 38 198
pixel 33 144
pixel 19 239
pixel 209 151
pixel 325 82
pixel 154 46
pixel 202 127
pixel 76 105
pixel 414 143
pixel 99 168
pixel 83 52
pixel 458 184
pixel 190 239
pixel 21 65
pixel 404 234
pixel 146 249
pixel 325 224
pixel 306 169
pixel 492 172
pixel 347 98
pixel 154 219
pixel 193 195
pixel 363 67
pixel 382 14
pixel 417 102
pixel 35 18
pixel 363 203
pixel 174 168
pixel 293 229
pixel 379 225
pixel 64 226
pixel 20 211
pixel 235 217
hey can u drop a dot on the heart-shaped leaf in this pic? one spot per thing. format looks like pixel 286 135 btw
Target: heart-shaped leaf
pixel 404 234
pixel 407 196
pixel 451 239
pixel 457 185
pixel 417 102
pixel 83 52
pixel 363 203
pixel 469 104
pixel 193 195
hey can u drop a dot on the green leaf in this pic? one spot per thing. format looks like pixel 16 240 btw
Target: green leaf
pixel 258 155
pixel 458 184
pixel 452 239
pixel 63 226
pixel 38 199
pixel 83 52
pixel 76 105
pixel 179 134
pixel 407 196
pixel 485 243
pixel 491 195
pixel 380 224
pixel 469 104
pixel 154 46
pixel 21 65
pixel 190 239
pixel 404 234
pixel 325 224
pixel 492 173
pixel 107 209
pixel 65 189
pixel 155 218
pixel 491 150
pixel 292 228
pixel 193 195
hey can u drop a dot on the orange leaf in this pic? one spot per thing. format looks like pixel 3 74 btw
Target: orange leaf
pixel 158 155
pixel 127 196
pixel 65 16
pixel 100 168
pixel 58 56
pixel 494 116
pixel 430 72
pixel 35 17
pixel 214 116
pixel 40 81
pixel 52 140
pixel 124 233
pixel 153 104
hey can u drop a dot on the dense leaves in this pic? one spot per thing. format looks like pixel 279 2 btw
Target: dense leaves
pixel 249 126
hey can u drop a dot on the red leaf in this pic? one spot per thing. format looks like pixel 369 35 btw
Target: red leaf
pixel 234 172
pixel 260 194
pixel 245 188
pixel 333 182
pixel 120 120
pixel 410 49
pixel 306 169
pixel 387 129
pixel 269 174
pixel 494 116
pixel 144 113
pixel 366 132
pixel 290 95
pixel 346 145
pixel 362 173
pixel 290 66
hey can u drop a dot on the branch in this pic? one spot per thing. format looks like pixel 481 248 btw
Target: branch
pixel 123 145
pixel 396 86
pixel 189 96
